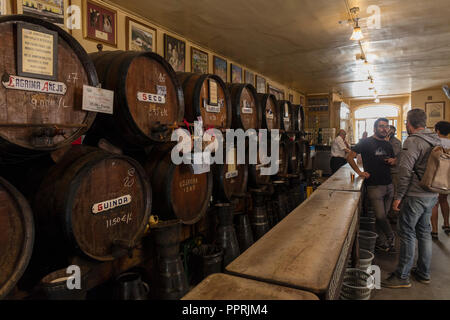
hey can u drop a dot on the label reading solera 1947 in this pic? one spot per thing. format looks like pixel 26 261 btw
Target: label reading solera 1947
pixel 111 204
pixel 150 97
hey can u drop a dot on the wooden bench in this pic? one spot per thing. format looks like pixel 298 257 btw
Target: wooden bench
pixel 307 250
pixel 221 286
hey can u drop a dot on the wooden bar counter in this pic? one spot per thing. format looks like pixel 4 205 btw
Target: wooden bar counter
pixel 308 249
pixel 221 286
pixel 341 180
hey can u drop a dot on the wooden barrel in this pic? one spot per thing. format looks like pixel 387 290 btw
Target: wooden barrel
pixel 178 193
pixel 270 111
pixel 37 114
pixel 287 122
pixel 96 203
pixel 16 236
pixel 230 180
pixel 294 152
pixel 148 100
pixel 255 177
pixel 245 106
pixel 206 96
pixel 283 158
pixel 299 117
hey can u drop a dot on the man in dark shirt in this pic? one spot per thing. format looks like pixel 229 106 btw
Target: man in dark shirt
pixel 378 157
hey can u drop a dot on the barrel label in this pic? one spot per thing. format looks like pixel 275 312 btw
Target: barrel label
pixel 111 204
pixel 161 90
pixel 231 174
pixel 213 109
pixel 246 108
pixel 36 85
pixel 150 97
pixel 269 115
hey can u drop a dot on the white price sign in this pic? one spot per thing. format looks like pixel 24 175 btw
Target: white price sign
pixel 98 99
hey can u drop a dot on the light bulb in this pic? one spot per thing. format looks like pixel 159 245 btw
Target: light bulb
pixel 357 34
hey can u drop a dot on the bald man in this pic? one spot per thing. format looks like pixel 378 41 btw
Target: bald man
pixel 339 148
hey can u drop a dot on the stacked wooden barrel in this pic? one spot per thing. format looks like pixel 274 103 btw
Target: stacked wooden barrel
pixel 148 102
pixel 16 236
pixel 38 115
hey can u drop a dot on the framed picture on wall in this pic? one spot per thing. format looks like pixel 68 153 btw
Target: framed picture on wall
pixel 435 112
pixel 291 98
pixel 100 23
pixel 260 84
pixel 199 61
pixel 140 37
pixel 220 68
pixel 236 74
pixel 2 7
pixel 249 77
pixel 175 52
pixel 49 10
pixel 278 93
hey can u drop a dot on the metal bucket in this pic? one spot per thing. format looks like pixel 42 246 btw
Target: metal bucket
pixel 365 259
pixel 207 260
pixel 357 285
pixel 367 240
pixel 367 223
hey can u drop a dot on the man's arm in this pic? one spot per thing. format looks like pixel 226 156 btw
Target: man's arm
pixel 351 161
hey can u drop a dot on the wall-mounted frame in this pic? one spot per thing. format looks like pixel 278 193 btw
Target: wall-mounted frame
pixel 99 23
pixel 50 10
pixel 249 77
pixel 435 112
pixel 220 68
pixel 32 39
pixel 199 61
pixel 260 84
pixel 139 37
pixel 278 93
pixel 175 52
pixel 2 7
pixel 291 98
pixel 236 74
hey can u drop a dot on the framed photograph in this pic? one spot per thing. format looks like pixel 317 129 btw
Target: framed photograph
pixel 236 74
pixel 249 77
pixel 260 84
pixel 2 7
pixel 49 10
pixel 220 68
pixel 278 93
pixel 175 52
pixel 199 61
pixel 100 23
pixel 291 98
pixel 140 37
pixel 435 112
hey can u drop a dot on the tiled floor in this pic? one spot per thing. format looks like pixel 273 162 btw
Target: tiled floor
pixel 438 289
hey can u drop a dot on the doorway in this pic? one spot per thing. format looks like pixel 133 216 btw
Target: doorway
pixel 365 118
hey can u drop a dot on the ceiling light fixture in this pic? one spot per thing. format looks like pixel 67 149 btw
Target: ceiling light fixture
pixel 357 34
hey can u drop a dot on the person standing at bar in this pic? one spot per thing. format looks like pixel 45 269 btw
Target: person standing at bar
pixel 442 128
pixel 339 148
pixel 416 204
pixel 378 157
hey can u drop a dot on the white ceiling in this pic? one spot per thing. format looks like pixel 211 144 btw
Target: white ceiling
pixel 301 44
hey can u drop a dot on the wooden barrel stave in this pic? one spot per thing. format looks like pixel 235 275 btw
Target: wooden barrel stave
pixel 88 176
pixel 135 122
pixel 178 192
pixel 26 110
pixel 16 236
pixel 270 111
pixel 243 119
pixel 196 91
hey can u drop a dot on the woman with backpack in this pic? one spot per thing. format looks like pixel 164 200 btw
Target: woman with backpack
pixel 442 128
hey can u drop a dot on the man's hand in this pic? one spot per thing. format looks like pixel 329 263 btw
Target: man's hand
pixel 396 205
pixel 391 161
pixel 364 175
